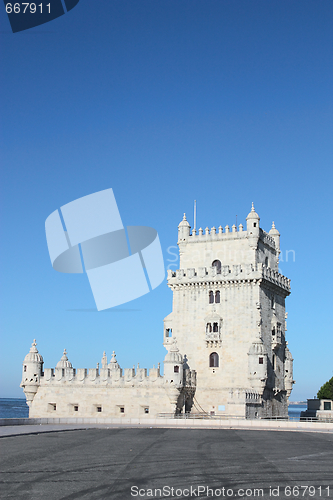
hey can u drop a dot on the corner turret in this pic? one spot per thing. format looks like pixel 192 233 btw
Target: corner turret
pixel 32 372
pixel 183 230
pixel 252 227
pixel 274 233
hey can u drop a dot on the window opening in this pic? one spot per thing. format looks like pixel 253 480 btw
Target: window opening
pixel 99 409
pixel 261 361
pixel 211 297
pixel 215 327
pixel 213 360
pixel 176 369
pixel 217 297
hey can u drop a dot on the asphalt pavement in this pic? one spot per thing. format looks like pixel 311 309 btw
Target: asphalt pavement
pixel 145 463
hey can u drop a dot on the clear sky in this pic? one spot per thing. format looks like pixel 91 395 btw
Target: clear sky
pixel 165 101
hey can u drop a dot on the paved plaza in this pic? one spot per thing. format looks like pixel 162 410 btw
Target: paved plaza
pixel 125 463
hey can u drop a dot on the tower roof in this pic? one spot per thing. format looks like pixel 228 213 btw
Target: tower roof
pixel 253 214
pixel 33 355
pixel 64 363
pixel 174 355
pixel 274 231
pixel 184 222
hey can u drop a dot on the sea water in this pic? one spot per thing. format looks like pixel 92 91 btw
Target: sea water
pixel 13 408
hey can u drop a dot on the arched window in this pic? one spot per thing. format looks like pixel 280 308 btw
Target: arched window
pixel 211 297
pixel 208 327
pixel 217 264
pixel 215 327
pixel 213 360
pixel 266 261
pixel 176 369
pixel 217 297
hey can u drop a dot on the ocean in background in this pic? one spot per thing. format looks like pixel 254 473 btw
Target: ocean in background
pixel 13 408
pixel 18 408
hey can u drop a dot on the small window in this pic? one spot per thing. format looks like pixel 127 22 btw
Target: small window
pixel 213 360
pixel 208 327
pixel 99 409
pixel 211 297
pixel 272 302
pixel 176 369
pixel 327 405
pixel 274 362
pixel 217 297
pixel 261 361
pixel 254 224
pixel 25 368
pixel 122 409
pixel 217 264
pixel 168 332
pixel 266 261
pixel 273 331
pixel 215 327
pixel 146 410
pixel 76 408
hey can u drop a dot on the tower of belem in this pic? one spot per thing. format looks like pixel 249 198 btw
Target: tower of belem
pixel 229 319
pixel 227 353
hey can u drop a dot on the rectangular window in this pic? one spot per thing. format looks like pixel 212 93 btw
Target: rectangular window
pixel 99 409
pixel 76 408
pixel 146 410
pixel 176 369
pixel 261 361
pixel 122 409
pixel 327 405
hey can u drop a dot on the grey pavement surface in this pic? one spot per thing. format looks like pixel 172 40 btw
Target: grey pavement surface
pixel 104 463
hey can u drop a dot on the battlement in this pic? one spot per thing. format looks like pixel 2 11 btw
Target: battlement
pixel 227 234
pixel 104 376
pixel 239 272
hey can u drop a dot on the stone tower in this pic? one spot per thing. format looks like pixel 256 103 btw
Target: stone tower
pixel 229 319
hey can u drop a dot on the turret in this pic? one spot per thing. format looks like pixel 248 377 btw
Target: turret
pixel 183 230
pixel 64 368
pixel 258 365
pixel 252 226
pixel 32 371
pixel 274 233
pixel 173 373
pixel 115 370
pixel 173 365
pixel 288 371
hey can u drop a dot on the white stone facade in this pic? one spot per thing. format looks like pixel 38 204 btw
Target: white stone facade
pixel 225 337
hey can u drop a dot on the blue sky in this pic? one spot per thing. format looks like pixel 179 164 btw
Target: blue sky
pixel 166 101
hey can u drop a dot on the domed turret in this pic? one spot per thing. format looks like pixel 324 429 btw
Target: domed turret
pixel 173 365
pixel 32 371
pixel 252 226
pixel 113 365
pixel 274 233
pixel 64 363
pixel 183 230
